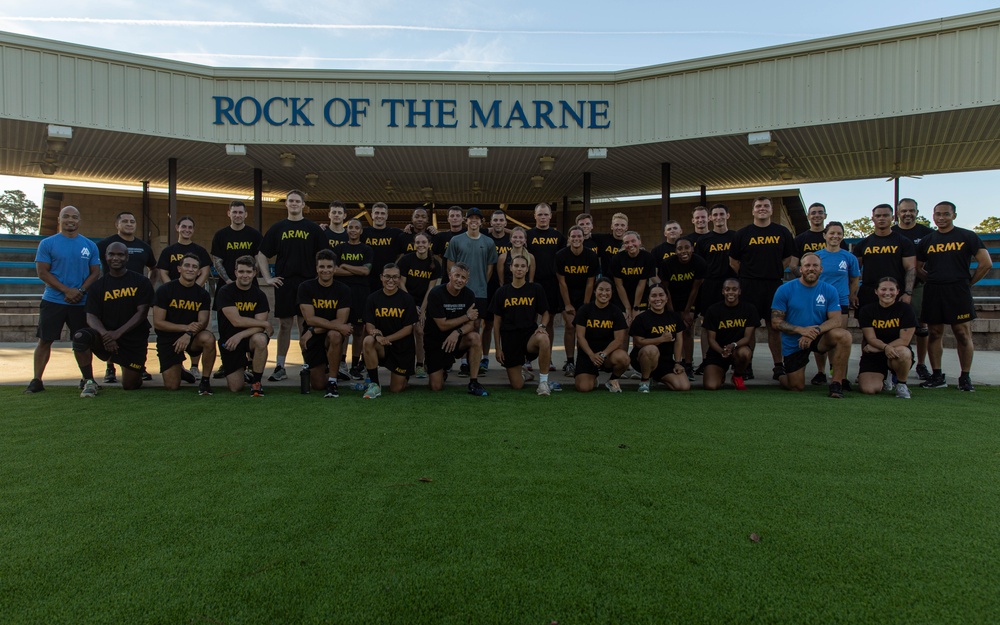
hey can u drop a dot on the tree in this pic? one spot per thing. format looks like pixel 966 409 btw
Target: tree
pixel 990 225
pixel 18 214
pixel 924 221
pixel 858 228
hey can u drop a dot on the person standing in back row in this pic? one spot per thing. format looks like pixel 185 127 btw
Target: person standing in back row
pixel 543 243
pixel 943 261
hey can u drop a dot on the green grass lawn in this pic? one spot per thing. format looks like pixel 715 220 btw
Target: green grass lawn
pixel 157 507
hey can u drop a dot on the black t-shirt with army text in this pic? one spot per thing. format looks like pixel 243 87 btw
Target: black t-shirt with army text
pixel 714 248
pixel 544 244
pixel 809 241
pixel 182 305
pixel 327 300
pixel 249 303
pixel 649 325
pixel 887 321
pixel 140 254
pixel 577 269
pixel 114 300
pixel 294 245
pixel 632 270
pixel 600 324
pixel 730 322
pixel 229 244
pixel 419 273
pixel 171 256
pixel 678 278
pixel 355 255
pixel 519 308
pixel 761 251
pixel 882 256
pixel 947 255
pixel 391 313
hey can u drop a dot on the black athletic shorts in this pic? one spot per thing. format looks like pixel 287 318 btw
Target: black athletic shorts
pixel 483 308
pixel 400 357
pixel 710 293
pixel 878 362
pixel 314 354
pixel 948 304
pixel 715 358
pixel 166 354
pixel 760 293
pixel 237 359
pixel 798 360
pixel 552 294
pixel 515 347
pixel 584 365
pixel 359 297
pixel 286 297
pixel 52 317
pixel 865 297
pixel 131 352
pixel 436 359
pixel 664 366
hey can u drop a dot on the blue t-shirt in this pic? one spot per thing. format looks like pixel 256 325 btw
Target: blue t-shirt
pixel 838 269
pixel 803 306
pixel 70 260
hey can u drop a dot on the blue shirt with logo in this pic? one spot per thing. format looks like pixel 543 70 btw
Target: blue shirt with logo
pixel 70 260
pixel 804 306
pixel 838 269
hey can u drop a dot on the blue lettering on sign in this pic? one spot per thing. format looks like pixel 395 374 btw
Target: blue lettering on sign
pixel 424 113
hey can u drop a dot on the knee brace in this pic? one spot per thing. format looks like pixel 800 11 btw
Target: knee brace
pixel 922 331
pixel 84 339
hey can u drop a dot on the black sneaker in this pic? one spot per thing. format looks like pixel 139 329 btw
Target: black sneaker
pixel 819 379
pixel 331 389
pixel 463 371
pixel 935 381
pixel 701 369
pixel 748 374
pixel 204 388
pixel 689 370
pixel 778 371
pixel 475 388
pixel 187 377
pixel 923 372
pixel 247 376
pixel 35 386
pixel 110 375
pixel 357 373
pixel 146 376
pixel 218 375
pixel 965 384
pixel 256 390
pixel 836 391
pixel 846 385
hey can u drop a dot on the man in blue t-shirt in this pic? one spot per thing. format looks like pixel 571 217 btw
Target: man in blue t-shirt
pixel 68 263
pixel 807 312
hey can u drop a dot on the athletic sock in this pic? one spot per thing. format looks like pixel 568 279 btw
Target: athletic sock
pixel 204 379
pixel 569 361
pixel 257 376
pixel 87 372
pixel 937 372
pixel 644 380
pixel 420 364
pixel 613 377
pixel 280 362
pixel 543 378
pixel 331 380
pixel 373 375
pixel 965 373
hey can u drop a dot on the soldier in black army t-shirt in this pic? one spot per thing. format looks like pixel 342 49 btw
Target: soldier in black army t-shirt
pixel 244 329
pixel 181 316
pixel 325 307
pixel 389 318
pixel 520 313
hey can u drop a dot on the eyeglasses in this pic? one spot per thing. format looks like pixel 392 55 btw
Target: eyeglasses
pixel 388 277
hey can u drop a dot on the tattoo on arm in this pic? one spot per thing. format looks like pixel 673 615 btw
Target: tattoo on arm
pixel 778 321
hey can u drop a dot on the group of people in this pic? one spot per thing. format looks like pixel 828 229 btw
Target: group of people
pixel 416 300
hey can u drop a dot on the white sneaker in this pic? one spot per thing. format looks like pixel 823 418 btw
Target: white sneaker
pixel 887 385
pixel 902 391
pixel 543 389
pixel 612 385
pixel 89 389
pixel 643 387
pixel 195 372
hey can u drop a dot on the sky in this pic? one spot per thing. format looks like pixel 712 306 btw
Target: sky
pixel 486 35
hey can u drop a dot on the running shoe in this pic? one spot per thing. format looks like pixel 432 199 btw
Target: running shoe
pixel 420 372
pixel 463 370
pixel 778 371
pixel 475 388
pixel 613 386
pixel 195 372
pixel 643 387
pixel 738 383
pixel 846 386
pixel 110 375
pixel 89 389
pixel 527 374
pixel 484 366
pixel 344 372
pixel 748 374
pixel 935 381
pixel 247 376
pixel 331 389
pixel 836 391
pixel 374 391
pixel 552 367
pixel 555 387
pixel 543 389
pixel 888 386
pixel 187 377
pixel 700 370
pixel 923 372
pixel 358 372
pixel 965 384
pixel 570 369
pixel 35 386
pixel 902 391
pixel 256 390
pixel 146 376
pixel 204 388
pixel 689 370
pixel 83 383
pixel 819 379
pixel 278 375
pixel 219 374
